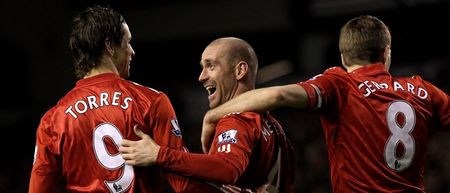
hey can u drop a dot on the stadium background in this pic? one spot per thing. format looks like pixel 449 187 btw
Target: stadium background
pixel 294 39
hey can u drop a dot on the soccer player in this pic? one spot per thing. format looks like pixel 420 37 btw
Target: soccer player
pixel 249 150
pixel 376 126
pixel 77 139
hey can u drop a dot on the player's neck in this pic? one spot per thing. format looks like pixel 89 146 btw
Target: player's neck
pixel 102 69
pixel 353 67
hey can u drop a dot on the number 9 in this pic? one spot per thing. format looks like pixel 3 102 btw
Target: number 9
pixel 112 162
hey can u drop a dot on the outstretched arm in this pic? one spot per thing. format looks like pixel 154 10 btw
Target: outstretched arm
pixel 146 152
pixel 263 99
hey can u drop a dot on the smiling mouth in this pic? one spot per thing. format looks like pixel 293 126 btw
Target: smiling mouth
pixel 211 90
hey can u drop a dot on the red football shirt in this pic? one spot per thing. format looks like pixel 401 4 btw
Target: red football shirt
pixel 377 127
pixel 244 152
pixel 77 140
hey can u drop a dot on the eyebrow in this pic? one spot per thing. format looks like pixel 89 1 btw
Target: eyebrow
pixel 202 62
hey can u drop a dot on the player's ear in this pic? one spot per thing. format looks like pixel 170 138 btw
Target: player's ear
pixel 109 47
pixel 241 69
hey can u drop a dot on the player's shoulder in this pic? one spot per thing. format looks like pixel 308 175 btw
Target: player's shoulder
pixel 425 83
pixel 331 76
pixel 144 88
pixel 242 122
pixel 241 118
pixel 335 70
pixel 416 79
pixel 143 91
pixel 49 118
pixel 330 72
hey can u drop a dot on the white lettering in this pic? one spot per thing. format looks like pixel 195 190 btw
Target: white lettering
pixel 91 101
pixel 103 99
pixel 81 106
pixel 397 86
pixel 410 87
pixel 369 87
pixel 69 110
pixel 115 100
pixel 267 130
pixel 125 103
pixel 376 85
pixel 422 93
pixel 226 148
pixel 84 106
pixel 367 91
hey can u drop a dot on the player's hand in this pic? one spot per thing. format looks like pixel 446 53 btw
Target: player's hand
pixel 143 152
pixel 207 132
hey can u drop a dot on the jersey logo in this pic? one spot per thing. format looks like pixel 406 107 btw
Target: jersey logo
pixel 117 188
pixel 175 128
pixel 228 136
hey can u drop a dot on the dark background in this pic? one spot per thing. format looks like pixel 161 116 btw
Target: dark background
pixel 298 37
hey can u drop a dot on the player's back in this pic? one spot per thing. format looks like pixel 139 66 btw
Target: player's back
pixel 377 128
pixel 273 145
pixel 86 127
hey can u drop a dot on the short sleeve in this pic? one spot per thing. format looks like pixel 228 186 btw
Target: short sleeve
pixel 321 90
pixel 233 139
pixel 441 107
pixel 166 130
pixel 47 163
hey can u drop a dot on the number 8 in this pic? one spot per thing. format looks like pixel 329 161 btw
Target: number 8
pixel 112 162
pixel 400 134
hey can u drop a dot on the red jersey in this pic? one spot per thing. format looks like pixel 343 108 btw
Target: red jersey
pixel 78 139
pixel 377 127
pixel 249 149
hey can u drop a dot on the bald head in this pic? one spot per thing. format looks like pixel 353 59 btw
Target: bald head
pixel 229 68
pixel 237 50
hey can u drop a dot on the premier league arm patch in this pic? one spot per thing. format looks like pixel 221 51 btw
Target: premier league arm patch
pixel 175 128
pixel 227 137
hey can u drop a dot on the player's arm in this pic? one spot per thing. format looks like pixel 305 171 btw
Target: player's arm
pixel 441 106
pixel 44 183
pixel 166 132
pixel 263 99
pixel 212 168
pixel 146 151
pixel 259 100
pixel 46 172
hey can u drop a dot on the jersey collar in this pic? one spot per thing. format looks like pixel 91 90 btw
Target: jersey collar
pixel 98 78
pixel 372 69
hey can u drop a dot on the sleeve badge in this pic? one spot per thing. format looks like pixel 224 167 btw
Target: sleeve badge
pixel 227 136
